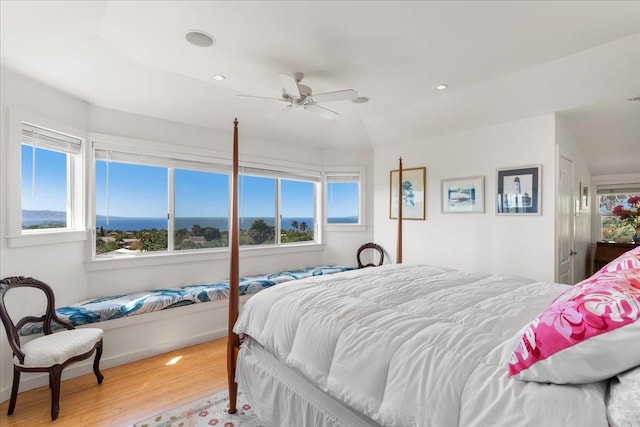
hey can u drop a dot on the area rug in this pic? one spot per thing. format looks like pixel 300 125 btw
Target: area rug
pixel 211 411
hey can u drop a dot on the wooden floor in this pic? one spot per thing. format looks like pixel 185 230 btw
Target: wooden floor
pixel 129 393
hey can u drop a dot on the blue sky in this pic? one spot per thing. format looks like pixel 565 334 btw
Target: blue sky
pixel 51 180
pixel 142 191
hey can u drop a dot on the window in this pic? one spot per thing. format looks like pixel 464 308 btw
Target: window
pixel 152 203
pixel 611 227
pixel 49 160
pixel 257 209
pixel 267 195
pixel 297 207
pixel 201 209
pixel 131 206
pixel 343 197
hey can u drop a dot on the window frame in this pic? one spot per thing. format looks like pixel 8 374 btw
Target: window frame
pixel 75 230
pixel 219 160
pixel 342 171
pixel 608 190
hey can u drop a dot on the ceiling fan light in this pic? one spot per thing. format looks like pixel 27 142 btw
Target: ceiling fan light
pixel 360 100
pixel 200 38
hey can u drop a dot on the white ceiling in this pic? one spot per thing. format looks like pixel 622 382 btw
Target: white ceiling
pixel 132 56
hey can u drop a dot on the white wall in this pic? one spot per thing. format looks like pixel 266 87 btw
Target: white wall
pixel 519 245
pixel 568 145
pixel 74 277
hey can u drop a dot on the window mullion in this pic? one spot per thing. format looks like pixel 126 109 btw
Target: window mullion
pixel 171 210
pixel 278 217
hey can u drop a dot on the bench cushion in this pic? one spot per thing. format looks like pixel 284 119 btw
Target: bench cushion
pixel 117 306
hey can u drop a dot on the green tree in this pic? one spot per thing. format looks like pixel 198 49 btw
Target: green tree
pixel 153 240
pixel 303 226
pixel 211 233
pixel 294 224
pixel 261 232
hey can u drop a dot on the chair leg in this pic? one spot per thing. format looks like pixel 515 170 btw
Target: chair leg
pixel 55 375
pixel 96 363
pixel 14 390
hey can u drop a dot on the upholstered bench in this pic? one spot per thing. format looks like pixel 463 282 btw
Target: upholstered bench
pixel 118 306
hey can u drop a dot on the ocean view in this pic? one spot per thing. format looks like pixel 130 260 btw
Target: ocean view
pixel 133 224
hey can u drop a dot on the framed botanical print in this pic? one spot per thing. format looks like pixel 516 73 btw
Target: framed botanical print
pixel 413 193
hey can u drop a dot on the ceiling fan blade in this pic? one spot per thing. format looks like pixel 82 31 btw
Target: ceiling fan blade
pixel 261 97
pixel 339 95
pixel 324 112
pixel 290 85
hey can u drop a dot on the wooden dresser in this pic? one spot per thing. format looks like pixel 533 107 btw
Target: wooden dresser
pixel 606 251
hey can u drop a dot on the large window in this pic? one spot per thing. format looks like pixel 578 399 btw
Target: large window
pixel 612 228
pixel 343 204
pixel 47 184
pixel 149 203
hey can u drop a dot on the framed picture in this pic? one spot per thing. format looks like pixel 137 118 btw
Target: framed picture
pixel 413 193
pixel 519 191
pixel 463 195
pixel 584 199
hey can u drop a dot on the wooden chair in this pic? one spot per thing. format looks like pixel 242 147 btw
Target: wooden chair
pixel 51 352
pixel 370 246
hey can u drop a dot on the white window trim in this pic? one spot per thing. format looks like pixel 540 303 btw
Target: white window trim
pixel 620 187
pixel 16 237
pixel 279 169
pixel 362 225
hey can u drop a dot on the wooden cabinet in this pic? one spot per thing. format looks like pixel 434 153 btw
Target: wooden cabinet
pixel 606 252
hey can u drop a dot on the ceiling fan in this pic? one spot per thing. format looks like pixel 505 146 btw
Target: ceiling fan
pixel 302 97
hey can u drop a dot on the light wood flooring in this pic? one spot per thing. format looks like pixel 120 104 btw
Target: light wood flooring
pixel 129 393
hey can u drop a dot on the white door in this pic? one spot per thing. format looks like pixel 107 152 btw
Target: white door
pixel 565 222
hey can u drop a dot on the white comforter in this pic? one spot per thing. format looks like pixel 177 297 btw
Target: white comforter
pixel 417 346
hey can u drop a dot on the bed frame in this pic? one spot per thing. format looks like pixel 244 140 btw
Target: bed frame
pixel 233 341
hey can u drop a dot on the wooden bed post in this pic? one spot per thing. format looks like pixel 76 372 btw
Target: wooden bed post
pixel 399 237
pixel 233 341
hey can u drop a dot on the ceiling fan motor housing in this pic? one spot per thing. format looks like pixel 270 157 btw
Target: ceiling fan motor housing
pixel 305 92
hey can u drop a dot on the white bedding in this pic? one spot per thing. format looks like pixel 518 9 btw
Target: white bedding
pixel 416 345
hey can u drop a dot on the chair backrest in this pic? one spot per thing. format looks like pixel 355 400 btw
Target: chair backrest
pixel 13 327
pixel 373 246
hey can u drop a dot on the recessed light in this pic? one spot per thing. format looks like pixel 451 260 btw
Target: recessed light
pixel 442 86
pixel 218 77
pixel 200 38
pixel 637 98
pixel 360 100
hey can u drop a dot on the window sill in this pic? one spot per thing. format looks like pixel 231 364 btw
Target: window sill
pixel 164 258
pixel 344 227
pixel 47 238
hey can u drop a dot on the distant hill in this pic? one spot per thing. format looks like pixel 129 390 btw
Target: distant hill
pixel 45 214
pixel 33 215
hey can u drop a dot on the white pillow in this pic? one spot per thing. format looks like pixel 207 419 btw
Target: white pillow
pixel 623 401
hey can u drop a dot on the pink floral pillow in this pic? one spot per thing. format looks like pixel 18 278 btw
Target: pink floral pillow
pixel 588 333
pixel 629 259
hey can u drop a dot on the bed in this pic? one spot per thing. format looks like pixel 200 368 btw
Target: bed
pixel 420 345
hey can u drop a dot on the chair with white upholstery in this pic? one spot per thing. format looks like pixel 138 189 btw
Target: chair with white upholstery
pixel 51 352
